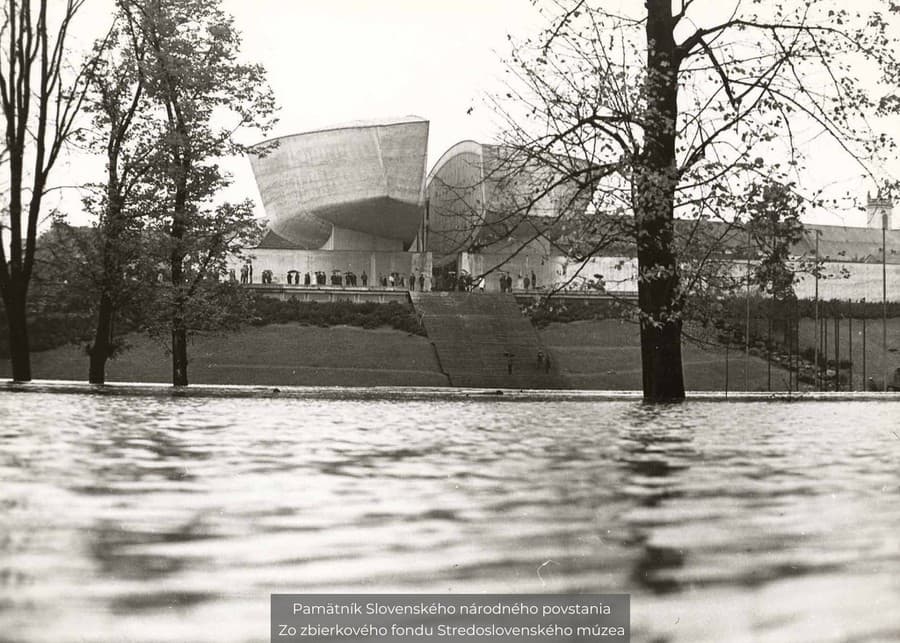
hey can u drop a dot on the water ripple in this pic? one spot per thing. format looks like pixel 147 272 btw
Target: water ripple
pixel 160 516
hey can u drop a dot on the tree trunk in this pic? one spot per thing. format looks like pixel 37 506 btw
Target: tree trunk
pixel 654 188
pixel 111 229
pixel 102 346
pixel 179 329
pixel 19 348
pixel 176 262
pixel 661 362
pixel 179 354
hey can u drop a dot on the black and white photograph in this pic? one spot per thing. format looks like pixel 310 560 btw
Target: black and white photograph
pixel 424 321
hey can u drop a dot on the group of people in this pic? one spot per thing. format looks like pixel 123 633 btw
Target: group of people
pixel 466 283
pixel 319 277
pixel 521 283
pixel 397 280
pixel 337 278
pixel 414 281
pixel 451 282
pixel 543 361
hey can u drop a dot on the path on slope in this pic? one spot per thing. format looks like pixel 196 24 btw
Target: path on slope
pixel 473 334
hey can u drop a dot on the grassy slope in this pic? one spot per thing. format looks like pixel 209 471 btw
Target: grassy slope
pixel 590 354
pixel 606 354
pixel 874 346
pixel 278 354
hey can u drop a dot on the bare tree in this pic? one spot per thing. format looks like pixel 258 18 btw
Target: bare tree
pixel 41 98
pixel 679 115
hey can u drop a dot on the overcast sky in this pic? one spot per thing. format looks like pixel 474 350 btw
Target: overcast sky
pixel 333 61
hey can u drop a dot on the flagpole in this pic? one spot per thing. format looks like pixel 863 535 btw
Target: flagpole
pixel 816 314
pixel 884 346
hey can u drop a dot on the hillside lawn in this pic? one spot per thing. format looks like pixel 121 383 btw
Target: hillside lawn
pixel 277 355
pixel 593 354
pixel 606 355
pixel 874 351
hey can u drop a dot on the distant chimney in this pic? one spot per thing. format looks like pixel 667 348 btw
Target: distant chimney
pixel 880 212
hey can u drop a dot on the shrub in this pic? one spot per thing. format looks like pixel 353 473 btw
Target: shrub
pixel 50 331
pixel 267 310
pixel 545 312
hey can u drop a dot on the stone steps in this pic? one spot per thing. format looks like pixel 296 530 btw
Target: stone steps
pixel 473 334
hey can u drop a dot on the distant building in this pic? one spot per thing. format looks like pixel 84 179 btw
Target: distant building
pixel 355 199
pixel 880 213
pixel 852 259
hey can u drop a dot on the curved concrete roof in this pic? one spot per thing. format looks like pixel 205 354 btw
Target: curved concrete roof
pixel 508 179
pixel 366 177
pixel 467 146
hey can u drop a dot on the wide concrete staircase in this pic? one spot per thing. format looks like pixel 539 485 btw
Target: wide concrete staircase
pixel 472 334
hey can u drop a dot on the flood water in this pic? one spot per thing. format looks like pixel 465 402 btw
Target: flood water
pixel 153 519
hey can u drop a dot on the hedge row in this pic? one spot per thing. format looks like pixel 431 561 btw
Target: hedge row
pixel 765 307
pixel 546 312
pixel 267 310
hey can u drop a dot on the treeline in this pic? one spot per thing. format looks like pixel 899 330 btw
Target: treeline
pixel 161 99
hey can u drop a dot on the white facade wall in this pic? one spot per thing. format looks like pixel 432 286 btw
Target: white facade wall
pixel 864 281
pixel 619 274
pixel 840 280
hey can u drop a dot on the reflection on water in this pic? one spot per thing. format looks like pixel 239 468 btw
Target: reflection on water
pixel 146 519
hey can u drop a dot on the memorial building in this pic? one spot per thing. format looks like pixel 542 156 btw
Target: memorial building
pixel 347 203
pixel 353 207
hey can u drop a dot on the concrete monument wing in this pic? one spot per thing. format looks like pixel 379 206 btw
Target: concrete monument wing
pixel 359 184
